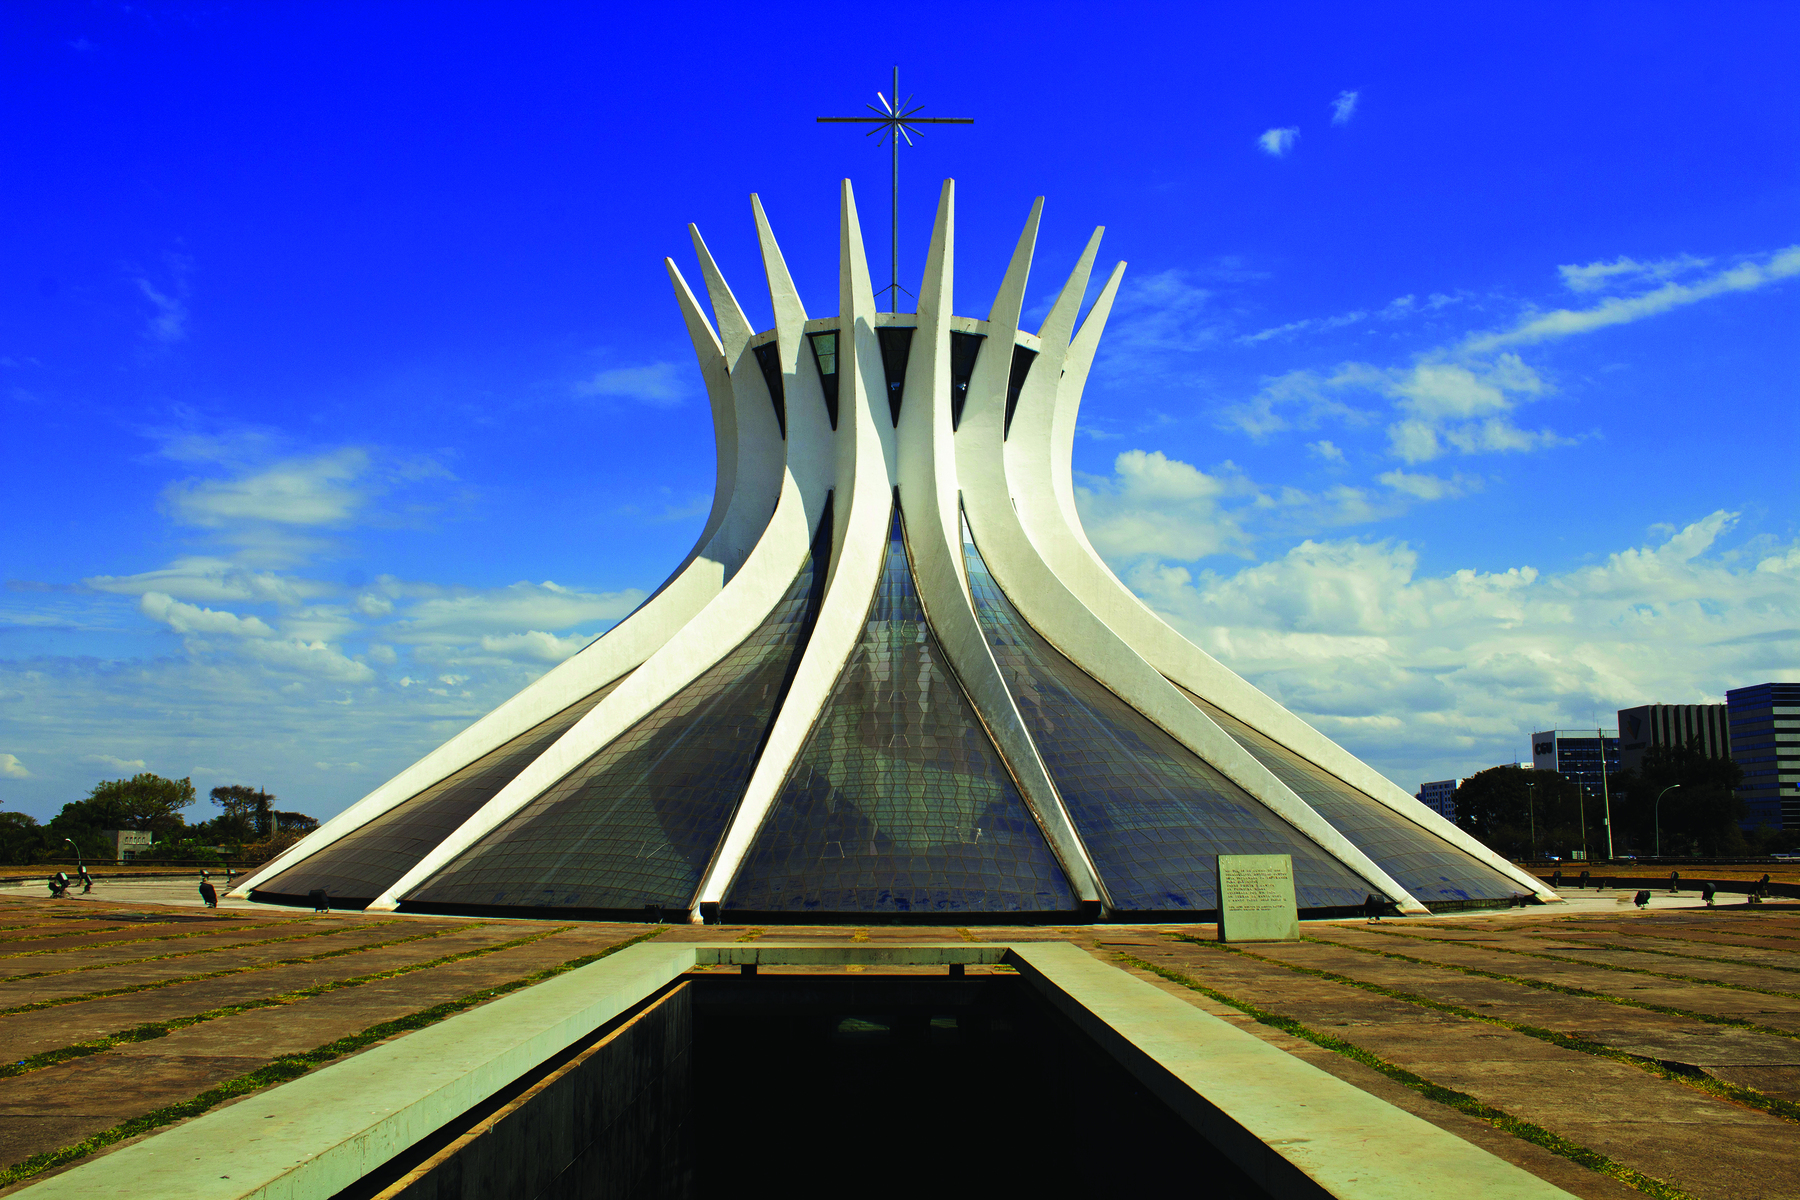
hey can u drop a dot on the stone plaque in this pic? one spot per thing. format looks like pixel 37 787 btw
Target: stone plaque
pixel 1256 898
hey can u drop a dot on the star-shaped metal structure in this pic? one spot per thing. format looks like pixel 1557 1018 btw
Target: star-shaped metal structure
pixel 894 121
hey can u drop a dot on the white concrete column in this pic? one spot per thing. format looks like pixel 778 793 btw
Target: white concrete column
pixel 931 499
pixel 749 478
pixel 1038 455
pixel 862 505
pixel 733 614
pixel 1063 620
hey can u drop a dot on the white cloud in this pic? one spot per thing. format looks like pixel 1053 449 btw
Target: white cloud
pixel 1466 407
pixel 319 490
pixel 1598 276
pixel 1537 327
pixel 1439 406
pixel 212 579
pixel 12 768
pixel 1426 487
pixel 169 323
pixel 661 384
pixel 1343 108
pixel 1325 450
pixel 1154 507
pixel 188 618
pixel 1278 141
pixel 1164 312
pixel 465 617
pixel 534 645
pixel 313 658
pixel 1303 400
pixel 114 763
pixel 1449 673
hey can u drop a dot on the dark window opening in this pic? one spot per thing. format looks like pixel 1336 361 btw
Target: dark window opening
pixel 896 346
pixel 964 347
pixel 825 356
pixel 768 357
pixel 1021 367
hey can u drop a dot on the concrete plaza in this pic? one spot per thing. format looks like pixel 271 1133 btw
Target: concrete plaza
pixel 1609 1051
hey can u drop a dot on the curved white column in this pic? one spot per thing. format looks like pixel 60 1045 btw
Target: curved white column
pixel 732 615
pixel 862 504
pixel 749 478
pixel 930 495
pixel 1038 455
pixel 1060 616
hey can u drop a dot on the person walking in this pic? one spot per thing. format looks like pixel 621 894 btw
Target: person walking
pixel 207 892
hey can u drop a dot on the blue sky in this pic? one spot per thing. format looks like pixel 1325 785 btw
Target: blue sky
pixel 1451 393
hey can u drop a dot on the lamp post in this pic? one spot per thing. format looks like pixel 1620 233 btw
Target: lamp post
pixel 1531 814
pixel 79 869
pixel 1605 796
pixel 1656 815
pixel 1581 815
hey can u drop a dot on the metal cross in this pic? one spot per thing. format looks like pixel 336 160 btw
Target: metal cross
pixel 894 121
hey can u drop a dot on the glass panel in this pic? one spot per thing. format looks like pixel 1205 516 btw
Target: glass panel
pixel 824 347
pixel 896 348
pixel 768 358
pixel 1152 813
pixel 634 826
pixel 964 348
pixel 1015 383
pixel 367 862
pixel 898 802
pixel 1420 861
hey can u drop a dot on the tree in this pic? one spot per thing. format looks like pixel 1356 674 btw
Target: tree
pixel 293 822
pixel 1700 808
pixel 1502 806
pixel 22 839
pixel 248 814
pixel 144 801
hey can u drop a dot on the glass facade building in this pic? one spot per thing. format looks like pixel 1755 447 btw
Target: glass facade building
pixel 1765 742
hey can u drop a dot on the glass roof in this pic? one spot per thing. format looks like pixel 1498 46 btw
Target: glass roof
pixel 1423 863
pixel 366 862
pixel 634 826
pixel 899 802
pixel 1153 814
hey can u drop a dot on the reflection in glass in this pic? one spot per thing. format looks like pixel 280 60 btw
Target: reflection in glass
pixel 1424 864
pixel 634 826
pixel 363 864
pixel 896 348
pixel 824 348
pixel 1023 357
pixel 1152 813
pixel 768 360
pixel 964 349
pixel 898 802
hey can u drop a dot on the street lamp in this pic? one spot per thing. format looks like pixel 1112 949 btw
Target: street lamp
pixel 1605 792
pixel 1531 814
pixel 79 869
pixel 1656 815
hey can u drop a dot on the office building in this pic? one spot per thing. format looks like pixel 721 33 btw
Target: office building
pixel 1440 797
pixel 1765 742
pixel 1575 754
pixel 1702 726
